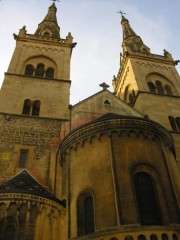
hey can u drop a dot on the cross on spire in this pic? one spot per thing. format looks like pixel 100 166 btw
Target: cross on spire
pixel 55 1
pixel 122 13
pixel 104 85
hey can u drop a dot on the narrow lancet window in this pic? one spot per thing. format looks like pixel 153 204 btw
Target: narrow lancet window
pixel 27 107
pixel 146 199
pixel 85 215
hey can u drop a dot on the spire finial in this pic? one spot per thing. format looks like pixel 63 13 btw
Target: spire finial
pixel 55 1
pixel 122 13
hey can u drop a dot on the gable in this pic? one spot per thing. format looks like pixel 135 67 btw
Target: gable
pixel 99 104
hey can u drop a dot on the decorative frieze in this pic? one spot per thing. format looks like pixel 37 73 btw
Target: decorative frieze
pixel 112 123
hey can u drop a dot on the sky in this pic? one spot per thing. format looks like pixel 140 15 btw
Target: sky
pixel 95 26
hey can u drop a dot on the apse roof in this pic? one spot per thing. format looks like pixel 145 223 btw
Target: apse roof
pixel 25 183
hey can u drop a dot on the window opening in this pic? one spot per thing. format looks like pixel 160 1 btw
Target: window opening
pixel 46 34
pixel 146 199
pixel 131 100
pixel 23 158
pixel 36 108
pixel 50 73
pixel 85 215
pixel 29 70
pixel 173 123
pixel 39 70
pixel 178 123
pixel 89 215
pixel 168 89
pixel 159 87
pixel 152 87
pixel 26 107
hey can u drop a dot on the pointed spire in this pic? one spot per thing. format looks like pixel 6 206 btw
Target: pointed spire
pixel 127 30
pixel 131 41
pixel 49 26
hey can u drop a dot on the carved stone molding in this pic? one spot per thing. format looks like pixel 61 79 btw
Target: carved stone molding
pixel 121 125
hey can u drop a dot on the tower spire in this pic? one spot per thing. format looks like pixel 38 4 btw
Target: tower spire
pixel 49 26
pixel 131 41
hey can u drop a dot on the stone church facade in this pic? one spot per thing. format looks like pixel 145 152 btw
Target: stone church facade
pixel 106 168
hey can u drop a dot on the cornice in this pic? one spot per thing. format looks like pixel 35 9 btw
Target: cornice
pixel 39 78
pixel 41 39
pixel 30 199
pixel 123 126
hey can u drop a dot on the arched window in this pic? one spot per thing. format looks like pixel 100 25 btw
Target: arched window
pixel 39 70
pixel 174 237
pixel 10 233
pixel 46 34
pixel 164 236
pixel 131 100
pixel 159 87
pixel 29 70
pixel 133 94
pixel 128 238
pixel 168 89
pixel 89 215
pixel 141 237
pixel 152 87
pixel 50 73
pixel 146 199
pixel 85 215
pixel 153 237
pixel 173 123
pixel 27 107
pixel 178 123
pixel 36 108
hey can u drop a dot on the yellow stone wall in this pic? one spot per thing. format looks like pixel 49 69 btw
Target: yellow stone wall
pixel 104 165
pixel 16 89
pixel 159 108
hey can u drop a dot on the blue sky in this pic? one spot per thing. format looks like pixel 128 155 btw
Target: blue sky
pixel 95 26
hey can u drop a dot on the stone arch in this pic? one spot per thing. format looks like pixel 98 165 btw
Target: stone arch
pixel 33 61
pixel 159 83
pixel 12 210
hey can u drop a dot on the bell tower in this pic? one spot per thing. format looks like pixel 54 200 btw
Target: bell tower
pixel 142 71
pixel 149 82
pixel 37 81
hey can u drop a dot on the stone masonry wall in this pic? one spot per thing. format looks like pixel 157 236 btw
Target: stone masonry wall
pixel 40 136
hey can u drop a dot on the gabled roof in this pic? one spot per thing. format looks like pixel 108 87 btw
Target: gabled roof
pixel 117 99
pixel 25 183
pixel 94 95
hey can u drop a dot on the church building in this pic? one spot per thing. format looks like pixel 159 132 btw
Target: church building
pixel 106 168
